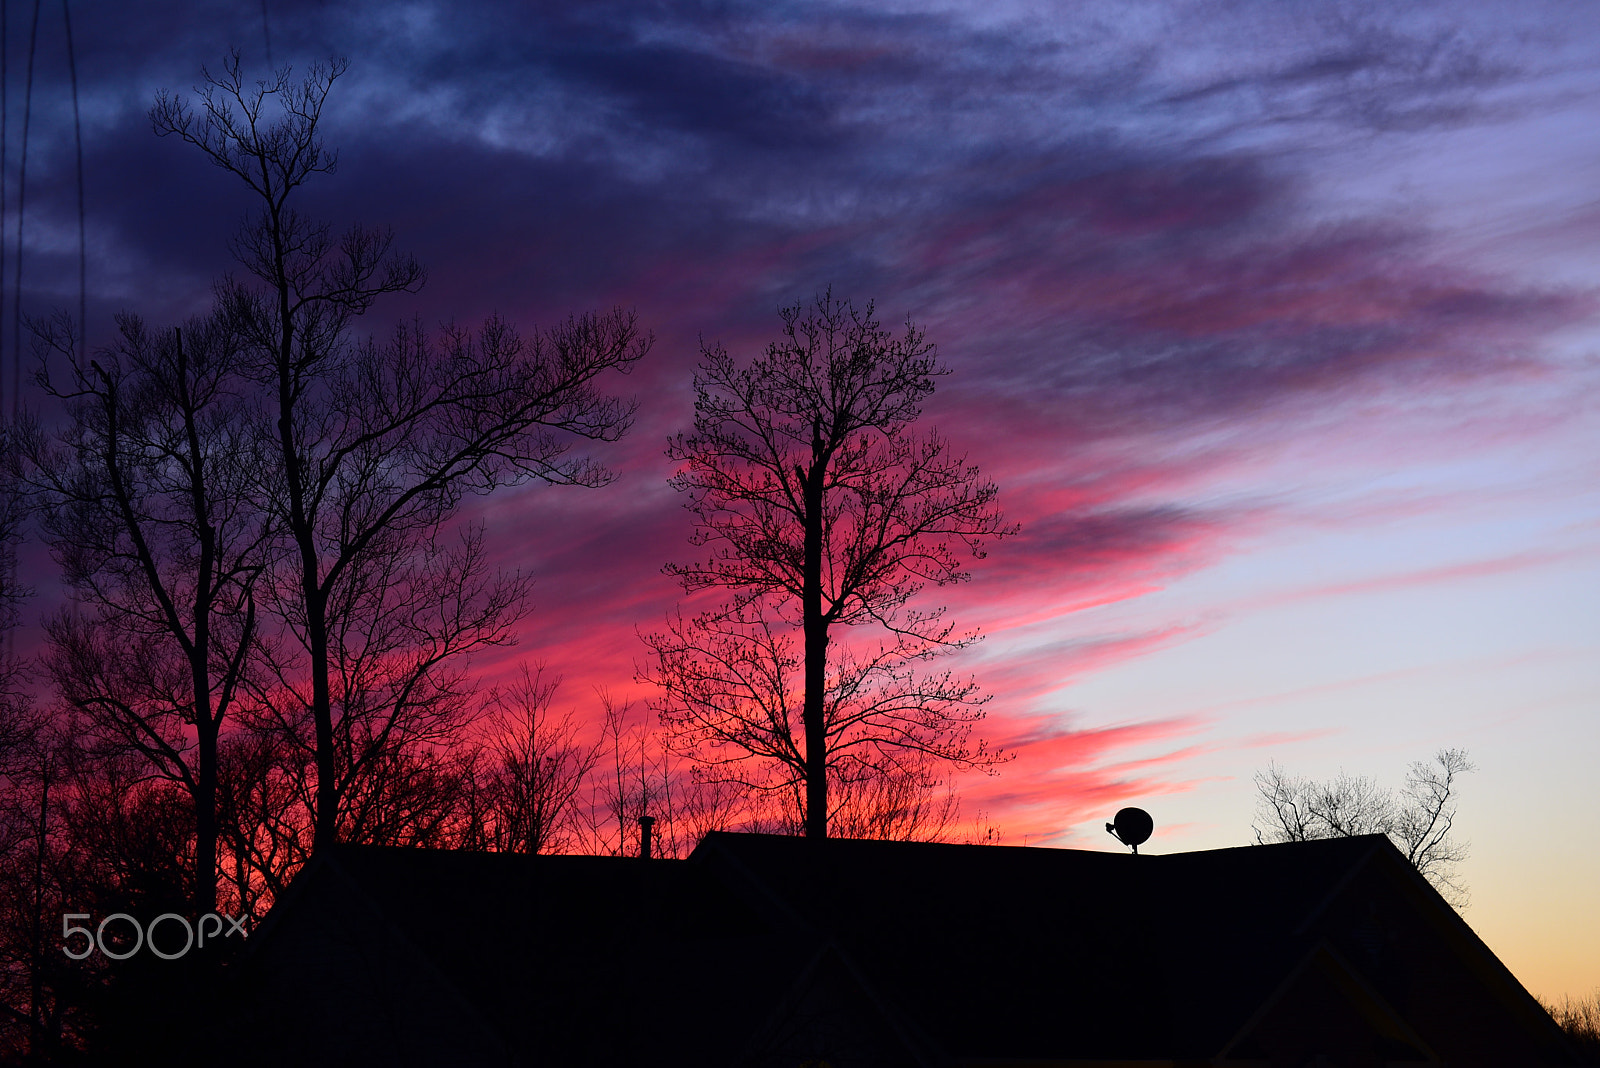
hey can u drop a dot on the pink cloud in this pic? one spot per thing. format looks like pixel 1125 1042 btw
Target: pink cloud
pixel 1061 776
pixel 1471 569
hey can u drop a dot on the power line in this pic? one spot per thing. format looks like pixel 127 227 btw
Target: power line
pixel 9 647
pixel 83 241
pixel 22 195
pixel 5 111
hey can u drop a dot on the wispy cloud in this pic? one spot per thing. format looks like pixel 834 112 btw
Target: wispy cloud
pixel 1112 223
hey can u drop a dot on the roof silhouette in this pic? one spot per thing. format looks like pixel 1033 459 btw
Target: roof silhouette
pixel 916 953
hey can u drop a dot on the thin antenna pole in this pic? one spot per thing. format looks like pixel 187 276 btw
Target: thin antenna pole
pixel 82 352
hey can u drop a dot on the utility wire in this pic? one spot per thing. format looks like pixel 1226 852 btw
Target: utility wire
pixel 83 241
pixel 22 196
pixel 9 647
pixel 5 111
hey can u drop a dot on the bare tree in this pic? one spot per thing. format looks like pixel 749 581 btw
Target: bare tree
pixel 731 690
pixel 701 806
pixel 43 995
pixel 263 816
pixel 29 1011
pixel 103 836
pixel 1579 1017
pixel 539 766
pixel 633 777
pixel 146 500
pixel 402 629
pixel 822 509
pixel 20 720
pixel 1420 819
pixel 1425 820
pixel 376 444
pixel 910 803
pixel 34 1013
pixel 1295 809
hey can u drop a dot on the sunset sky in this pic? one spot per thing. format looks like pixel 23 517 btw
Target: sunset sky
pixel 1275 323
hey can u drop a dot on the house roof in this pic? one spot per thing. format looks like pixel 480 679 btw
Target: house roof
pixel 954 952
pixel 1108 946
pixel 572 954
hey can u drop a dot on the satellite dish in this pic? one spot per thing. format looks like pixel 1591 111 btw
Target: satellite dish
pixel 1132 828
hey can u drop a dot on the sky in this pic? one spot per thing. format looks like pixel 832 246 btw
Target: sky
pixel 1275 324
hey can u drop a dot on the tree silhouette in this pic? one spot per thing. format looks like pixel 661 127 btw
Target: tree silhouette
pixel 1579 1017
pixel 1420 820
pixel 375 444
pixel 146 500
pixel 730 689
pixel 821 509
pixel 29 1008
pixel 538 767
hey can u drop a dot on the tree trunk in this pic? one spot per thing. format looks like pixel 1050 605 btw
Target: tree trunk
pixel 36 947
pixel 326 830
pixel 327 827
pixel 205 817
pixel 206 730
pixel 816 640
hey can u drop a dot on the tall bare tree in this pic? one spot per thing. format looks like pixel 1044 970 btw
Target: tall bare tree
pixel 822 509
pixel 376 443
pixel 147 502
pixel 1420 819
pixel 402 628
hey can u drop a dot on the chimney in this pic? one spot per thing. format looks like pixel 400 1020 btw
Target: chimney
pixel 645 823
